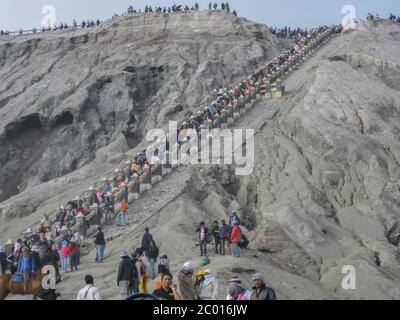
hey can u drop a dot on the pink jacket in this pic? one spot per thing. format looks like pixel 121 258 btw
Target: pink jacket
pixel 64 251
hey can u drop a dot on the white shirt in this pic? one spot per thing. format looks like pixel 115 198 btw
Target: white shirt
pixel 89 292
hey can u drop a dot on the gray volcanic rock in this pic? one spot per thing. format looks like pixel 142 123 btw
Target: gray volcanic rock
pixel 324 193
pixel 66 94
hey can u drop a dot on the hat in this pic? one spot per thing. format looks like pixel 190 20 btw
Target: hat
pixel 124 254
pixel 236 279
pixel 9 241
pixel 208 271
pixel 201 273
pixel 108 194
pixel 258 276
pixel 188 265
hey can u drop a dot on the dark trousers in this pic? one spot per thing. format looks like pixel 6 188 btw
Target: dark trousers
pixel 217 242
pixel 3 268
pixel 203 247
pixel 73 260
pixel 134 287
pixel 223 241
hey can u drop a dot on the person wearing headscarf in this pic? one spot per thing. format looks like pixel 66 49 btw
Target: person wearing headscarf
pixel 185 282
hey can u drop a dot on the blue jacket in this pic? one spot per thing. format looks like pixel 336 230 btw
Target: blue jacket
pixel 106 188
pixel 222 231
pixel 26 264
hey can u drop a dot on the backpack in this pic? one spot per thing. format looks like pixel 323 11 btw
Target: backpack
pixel 135 273
pixel 162 269
pixel 244 242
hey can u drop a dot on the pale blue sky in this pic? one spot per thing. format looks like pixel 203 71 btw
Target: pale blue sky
pixel 16 14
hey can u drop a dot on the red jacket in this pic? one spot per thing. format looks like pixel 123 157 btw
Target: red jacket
pixel 236 234
pixel 73 248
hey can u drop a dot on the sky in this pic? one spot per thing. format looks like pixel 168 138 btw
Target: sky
pixel 23 14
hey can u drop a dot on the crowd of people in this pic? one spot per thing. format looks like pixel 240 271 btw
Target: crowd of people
pixel 148 9
pixel 136 270
pixel 288 32
pixel 40 245
pixel 228 97
pixel 393 18
pixel 61 26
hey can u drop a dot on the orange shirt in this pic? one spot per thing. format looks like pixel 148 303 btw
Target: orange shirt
pixel 124 206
